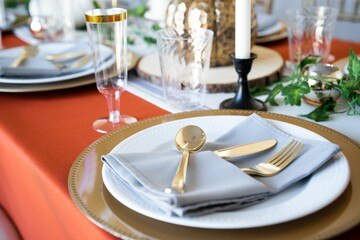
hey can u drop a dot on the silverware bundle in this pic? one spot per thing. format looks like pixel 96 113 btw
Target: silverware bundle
pixel 192 138
pixel 75 59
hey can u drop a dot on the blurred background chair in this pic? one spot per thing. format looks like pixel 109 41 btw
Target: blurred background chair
pixel 345 29
pixel 349 10
pixel 264 6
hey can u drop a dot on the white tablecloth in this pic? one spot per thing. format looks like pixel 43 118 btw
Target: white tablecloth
pixel 343 123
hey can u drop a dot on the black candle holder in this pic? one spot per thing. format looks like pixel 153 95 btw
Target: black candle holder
pixel 243 98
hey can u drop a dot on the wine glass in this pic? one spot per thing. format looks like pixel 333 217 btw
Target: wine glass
pixel 107 33
pixel 2 20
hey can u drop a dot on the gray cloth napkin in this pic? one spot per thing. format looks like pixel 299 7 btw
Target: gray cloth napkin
pixel 265 21
pixel 38 66
pixel 214 184
pixel 32 67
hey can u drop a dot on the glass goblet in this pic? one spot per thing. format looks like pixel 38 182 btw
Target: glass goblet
pixel 3 21
pixel 107 33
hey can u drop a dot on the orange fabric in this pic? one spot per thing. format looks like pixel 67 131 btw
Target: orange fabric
pixel 339 48
pixel 10 40
pixel 41 134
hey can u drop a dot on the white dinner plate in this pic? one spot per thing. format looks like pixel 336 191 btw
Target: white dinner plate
pixel 306 197
pixel 50 49
pixel 270 30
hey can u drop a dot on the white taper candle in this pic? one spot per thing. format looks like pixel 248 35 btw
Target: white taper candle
pixel 242 28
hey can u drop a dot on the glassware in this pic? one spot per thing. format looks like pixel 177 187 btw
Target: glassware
pixel 44 28
pixel 53 20
pixel 320 89
pixel 310 32
pixel 185 62
pixel 67 10
pixel 2 20
pixel 107 28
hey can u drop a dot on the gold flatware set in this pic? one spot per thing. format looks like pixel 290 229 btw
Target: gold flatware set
pixel 75 64
pixel 78 59
pixel 191 139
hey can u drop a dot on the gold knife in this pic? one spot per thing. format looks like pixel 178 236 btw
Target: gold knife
pixel 76 64
pixel 65 56
pixel 245 149
pixel 81 62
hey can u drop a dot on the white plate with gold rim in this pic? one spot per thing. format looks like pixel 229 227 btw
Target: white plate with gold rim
pixel 304 198
pixel 56 48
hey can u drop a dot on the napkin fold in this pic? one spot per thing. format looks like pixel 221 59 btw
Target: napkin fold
pixel 214 184
pixel 32 67
pixel 38 66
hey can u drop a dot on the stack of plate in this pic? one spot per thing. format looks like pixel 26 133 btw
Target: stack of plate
pixel 69 79
pixel 121 213
pixel 270 28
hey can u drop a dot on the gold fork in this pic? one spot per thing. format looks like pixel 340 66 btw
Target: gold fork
pixel 27 51
pixel 278 162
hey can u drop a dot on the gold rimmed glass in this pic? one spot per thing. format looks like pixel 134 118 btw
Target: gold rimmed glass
pixel 107 30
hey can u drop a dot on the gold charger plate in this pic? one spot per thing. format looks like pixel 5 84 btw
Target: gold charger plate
pixel 23 88
pixel 85 183
pixel 71 83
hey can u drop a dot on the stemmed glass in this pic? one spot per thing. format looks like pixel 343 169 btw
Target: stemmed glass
pixel 107 33
pixel 2 20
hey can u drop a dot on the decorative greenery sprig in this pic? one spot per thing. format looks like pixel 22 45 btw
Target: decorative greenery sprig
pixel 96 4
pixel 350 86
pixel 296 86
pixel 139 12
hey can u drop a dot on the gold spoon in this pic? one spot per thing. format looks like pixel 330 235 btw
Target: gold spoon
pixel 188 139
